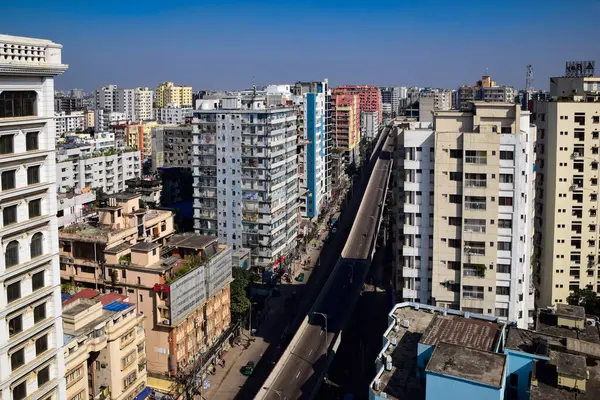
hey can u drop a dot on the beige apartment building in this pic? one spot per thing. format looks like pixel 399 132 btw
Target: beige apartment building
pixel 168 93
pixel 566 240
pixel 104 350
pixel 133 252
pixel 481 226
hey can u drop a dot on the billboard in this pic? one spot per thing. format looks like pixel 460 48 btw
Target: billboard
pixel 187 293
pixel 579 69
pixel 219 271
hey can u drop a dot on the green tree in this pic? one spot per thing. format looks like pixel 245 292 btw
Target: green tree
pixel 240 302
pixel 67 288
pixel 586 298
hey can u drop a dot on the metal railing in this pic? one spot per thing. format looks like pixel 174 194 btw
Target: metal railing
pixel 475 183
pixel 472 205
pixel 472 295
pixel 475 228
pixel 476 160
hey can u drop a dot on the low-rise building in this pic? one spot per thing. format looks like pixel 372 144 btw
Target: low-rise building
pixel 105 349
pixel 148 187
pixel 437 353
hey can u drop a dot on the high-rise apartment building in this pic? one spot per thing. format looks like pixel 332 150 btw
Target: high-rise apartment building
pixel 345 124
pixel 566 239
pixel 245 176
pixel 31 338
pixel 369 97
pixel 471 235
pixel 168 93
pixel 172 147
pixel 135 104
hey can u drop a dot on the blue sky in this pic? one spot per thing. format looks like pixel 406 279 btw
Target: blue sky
pixel 224 44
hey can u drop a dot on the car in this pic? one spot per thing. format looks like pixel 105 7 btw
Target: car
pixel 248 369
pixel 300 277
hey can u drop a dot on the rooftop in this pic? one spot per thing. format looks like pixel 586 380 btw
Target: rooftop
pixel 145 246
pixel 567 311
pixel 191 241
pixel 125 196
pixel 117 249
pixel 467 363
pixel 88 232
pixel 571 365
pixel 482 335
pixel 547 323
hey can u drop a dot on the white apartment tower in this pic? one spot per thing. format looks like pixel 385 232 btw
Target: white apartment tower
pixel 467 243
pixel 567 254
pixel 135 104
pixel 31 335
pixel 245 177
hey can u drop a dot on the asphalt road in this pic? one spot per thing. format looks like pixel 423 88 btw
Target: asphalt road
pixel 307 360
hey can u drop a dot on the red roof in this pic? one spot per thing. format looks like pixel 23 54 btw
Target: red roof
pixel 110 297
pixel 84 294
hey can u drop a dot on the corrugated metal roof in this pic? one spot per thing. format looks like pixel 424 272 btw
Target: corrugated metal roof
pixel 117 306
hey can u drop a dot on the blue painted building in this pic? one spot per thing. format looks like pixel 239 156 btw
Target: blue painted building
pixel 316 151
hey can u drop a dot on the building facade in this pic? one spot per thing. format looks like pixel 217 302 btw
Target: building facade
pixel 483 202
pixel 485 90
pixel 171 114
pixel 345 125
pixel 107 170
pixel 67 123
pixel 139 135
pixel 31 334
pixel 172 147
pixel 246 177
pixel 566 221
pixel 179 96
pixel 369 97
pixel 369 125
pixel 135 104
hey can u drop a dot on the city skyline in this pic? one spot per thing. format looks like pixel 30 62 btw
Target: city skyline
pixel 383 43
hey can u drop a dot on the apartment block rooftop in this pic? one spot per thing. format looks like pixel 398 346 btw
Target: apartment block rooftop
pixel 428 349
pixel 484 367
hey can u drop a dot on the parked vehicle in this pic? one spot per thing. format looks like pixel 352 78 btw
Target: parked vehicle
pixel 300 277
pixel 248 369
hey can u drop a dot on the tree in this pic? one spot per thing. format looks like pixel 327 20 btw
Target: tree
pixel 240 302
pixel 587 299
pixel 67 288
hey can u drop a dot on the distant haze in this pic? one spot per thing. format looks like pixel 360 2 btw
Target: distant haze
pixel 224 44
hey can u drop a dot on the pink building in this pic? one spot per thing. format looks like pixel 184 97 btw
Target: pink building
pixel 345 118
pixel 369 97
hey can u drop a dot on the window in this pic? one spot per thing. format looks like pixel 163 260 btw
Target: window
pixel 507 155
pixel 505 201
pixel 454 153
pixel 11 257
pixel 31 141
pixel 8 180
pixel 39 313
pixel 7 144
pixel 506 178
pixel 129 380
pixel 505 223
pixel 37 281
pixel 43 376
pixel 33 175
pixel 36 249
pixel 501 312
pixel 454 221
pixel 17 359
pixel 503 290
pixel 503 268
pixel 19 392
pixel 15 325
pixel 13 292
pixel 128 359
pixel 9 215
pixel 455 198
pixel 456 176
pixel 17 103
pixel 73 376
pixel 41 345
pixel 35 208
pixel 507 246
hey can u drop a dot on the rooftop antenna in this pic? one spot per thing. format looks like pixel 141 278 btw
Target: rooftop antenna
pixel 529 78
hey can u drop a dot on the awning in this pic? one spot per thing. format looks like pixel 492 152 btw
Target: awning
pixel 143 394
pixel 160 385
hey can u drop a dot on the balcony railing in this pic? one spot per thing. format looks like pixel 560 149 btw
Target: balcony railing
pixel 476 160
pixel 473 295
pixel 475 228
pixel 475 183
pixel 471 205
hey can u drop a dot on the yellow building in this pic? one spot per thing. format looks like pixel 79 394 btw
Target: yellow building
pixel 566 215
pixel 167 92
pixel 105 351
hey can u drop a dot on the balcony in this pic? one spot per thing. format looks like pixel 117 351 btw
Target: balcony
pixel 477 206
pixel 408 272
pixel 479 160
pixel 475 228
pixel 475 183
pixel 472 295
pixel 409 293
